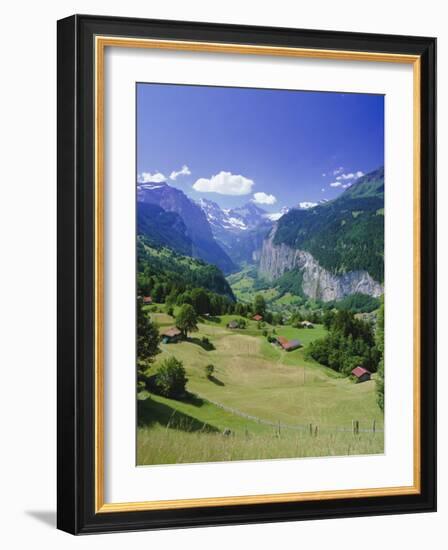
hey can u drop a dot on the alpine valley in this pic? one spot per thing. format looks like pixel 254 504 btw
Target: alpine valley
pixel 325 253
pixel 260 274
pixel 226 301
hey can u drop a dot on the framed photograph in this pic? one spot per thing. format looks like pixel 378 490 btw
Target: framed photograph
pixel 246 270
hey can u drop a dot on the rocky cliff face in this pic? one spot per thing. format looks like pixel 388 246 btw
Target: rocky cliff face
pixel 318 283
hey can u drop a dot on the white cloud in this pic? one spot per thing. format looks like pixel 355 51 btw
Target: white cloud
pixel 184 171
pixel 336 184
pixel 225 183
pixel 263 198
pixel 350 175
pixel 346 185
pixel 324 174
pixel 323 189
pixel 147 177
pixel 338 171
pixel 307 204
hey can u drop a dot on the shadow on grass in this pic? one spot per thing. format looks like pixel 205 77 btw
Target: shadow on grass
pixel 192 399
pixel 204 344
pixel 150 412
pixel 215 380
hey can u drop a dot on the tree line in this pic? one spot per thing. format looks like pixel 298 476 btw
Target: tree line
pixel 350 342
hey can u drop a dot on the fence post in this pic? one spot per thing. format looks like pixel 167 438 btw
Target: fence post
pixel 374 425
pixel 355 426
pixel 311 429
pixel 316 431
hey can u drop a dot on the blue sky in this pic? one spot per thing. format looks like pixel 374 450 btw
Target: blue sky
pixel 274 147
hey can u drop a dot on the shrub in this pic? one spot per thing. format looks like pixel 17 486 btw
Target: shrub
pixel 209 370
pixel 242 323
pixel 206 344
pixel 170 379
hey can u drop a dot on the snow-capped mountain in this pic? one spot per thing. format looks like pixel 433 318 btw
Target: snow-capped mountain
pixel 220 219
pixel 239 230
pixel 234 220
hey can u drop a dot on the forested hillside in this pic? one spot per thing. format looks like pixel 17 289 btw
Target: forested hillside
pixel 343 235
pixel 161 269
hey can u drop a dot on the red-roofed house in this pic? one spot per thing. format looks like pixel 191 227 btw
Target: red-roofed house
pixel 361 374
pixel 292 345
pixel 288 345
pixel 171 335
pixel 147 300
pixel 257 317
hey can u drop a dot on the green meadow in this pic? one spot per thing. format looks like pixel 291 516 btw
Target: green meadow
pixel 260 402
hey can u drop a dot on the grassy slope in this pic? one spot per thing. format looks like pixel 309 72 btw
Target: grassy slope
pixel 258 379
pixel 161 446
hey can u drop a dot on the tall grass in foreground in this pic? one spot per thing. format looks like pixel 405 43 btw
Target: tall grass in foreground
pixel 159 445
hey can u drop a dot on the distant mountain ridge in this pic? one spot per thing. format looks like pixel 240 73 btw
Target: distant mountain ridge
pixel 197 228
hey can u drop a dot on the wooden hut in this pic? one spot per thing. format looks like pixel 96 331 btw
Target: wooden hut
pixel 292 345
pixel 171 335
pixel 288 345
pixel 361 374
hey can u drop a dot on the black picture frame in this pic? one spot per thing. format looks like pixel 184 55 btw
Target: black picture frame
pixel 76 254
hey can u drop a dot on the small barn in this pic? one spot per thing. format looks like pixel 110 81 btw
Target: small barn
pixel 292 345
pixel 171 335
pixel 257 317
pixel 361 374
pixel 288 345
pixel 147 300
pixel 232 324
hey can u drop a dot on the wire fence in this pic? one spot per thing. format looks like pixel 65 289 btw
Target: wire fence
pixel 355 428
